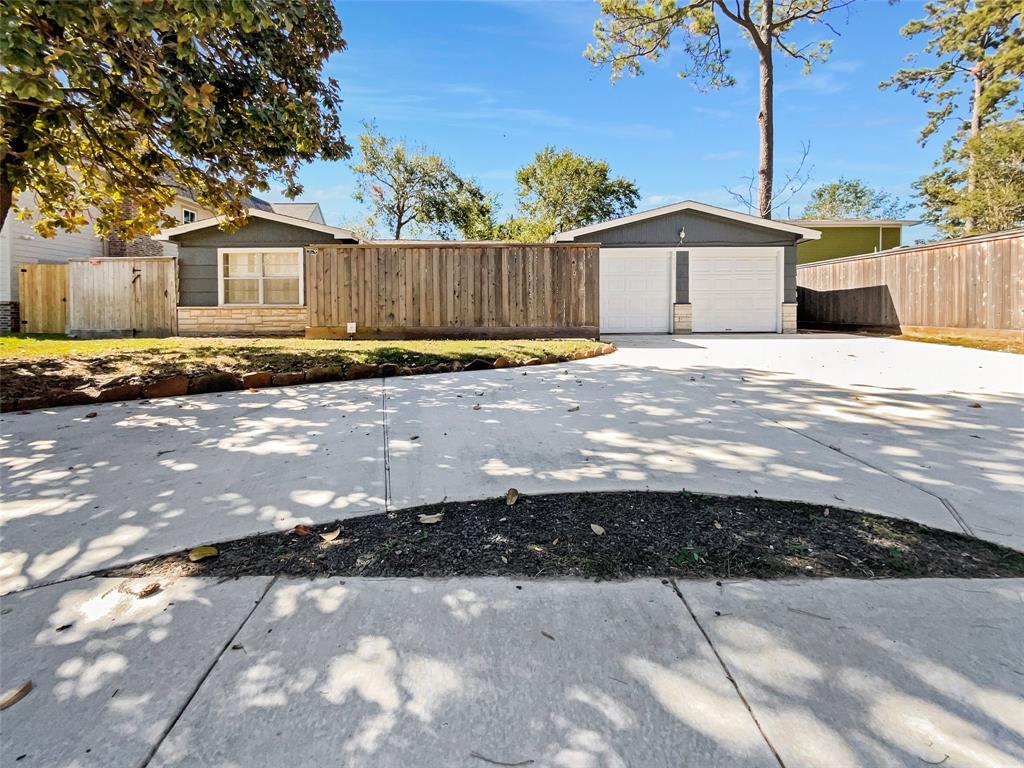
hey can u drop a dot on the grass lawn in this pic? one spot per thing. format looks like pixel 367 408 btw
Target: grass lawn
pixel 31 364
pixel 995 345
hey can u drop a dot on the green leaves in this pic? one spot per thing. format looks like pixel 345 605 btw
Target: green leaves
pixel 852 198
pixel 109 106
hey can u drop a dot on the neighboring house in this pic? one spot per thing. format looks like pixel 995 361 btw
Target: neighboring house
pixel 20 244
pixel 849 237
pixel 249 281
pixel 694 267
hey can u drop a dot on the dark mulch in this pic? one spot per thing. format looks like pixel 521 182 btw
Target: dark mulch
pixel 645 534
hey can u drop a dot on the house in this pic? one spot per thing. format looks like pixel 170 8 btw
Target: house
pixel 849 237
pixel 249 281
pixel 695 267
pixel 20 244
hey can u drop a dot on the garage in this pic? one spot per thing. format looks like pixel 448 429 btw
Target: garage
pixel 635 291
pixel 691 267
pixel 735 290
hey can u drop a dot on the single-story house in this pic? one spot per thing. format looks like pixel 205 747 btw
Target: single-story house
pixel 691 267
pixel 849 237
pixel 249 281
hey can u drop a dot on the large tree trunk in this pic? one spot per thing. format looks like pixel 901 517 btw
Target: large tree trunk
pixel 972 174
pixel 765 117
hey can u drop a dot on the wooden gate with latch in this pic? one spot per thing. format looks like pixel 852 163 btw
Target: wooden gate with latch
pixel 123 297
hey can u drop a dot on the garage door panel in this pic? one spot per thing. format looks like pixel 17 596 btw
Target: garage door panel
pixel 734 290
pixel 636 292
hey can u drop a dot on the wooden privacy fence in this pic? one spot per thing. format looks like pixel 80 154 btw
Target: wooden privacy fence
pixel 123 297
pixel 452 290
pixel 973 282
pixel 43 298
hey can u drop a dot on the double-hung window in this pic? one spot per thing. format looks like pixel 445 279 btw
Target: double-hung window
pixel 187 216
pixel 263 276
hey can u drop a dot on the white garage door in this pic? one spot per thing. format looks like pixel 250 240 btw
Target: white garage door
pixel 636 291
pixel 734 289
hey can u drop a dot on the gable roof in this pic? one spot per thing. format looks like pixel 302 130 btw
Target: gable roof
pixel 306 211
pixel 339 233
pixel 853 222
pixel 689 205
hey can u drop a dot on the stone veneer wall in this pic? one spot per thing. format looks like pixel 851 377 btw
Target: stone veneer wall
pixel 789 317
pixel 682 318
pixel 10 321
pixel 242 321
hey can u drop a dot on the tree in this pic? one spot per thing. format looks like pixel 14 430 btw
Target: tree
pixel 996 201
pixel 406 187
pixel 632 30
pixel 976 60
pixel 852 198
pixel 114 105
pixel 563 190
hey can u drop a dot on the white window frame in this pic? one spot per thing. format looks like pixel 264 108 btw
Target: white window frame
pixel 259 280
pixel 195 216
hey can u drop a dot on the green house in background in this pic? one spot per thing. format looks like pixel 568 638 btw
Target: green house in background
pixel 849 237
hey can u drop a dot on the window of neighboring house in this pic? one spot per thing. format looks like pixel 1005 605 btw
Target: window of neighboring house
pixel 187 216
pixel 270 276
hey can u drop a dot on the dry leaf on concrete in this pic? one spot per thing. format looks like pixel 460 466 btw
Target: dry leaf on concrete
pixel 511 497
pixel 331 535
pixel 597 529
pixel 428 519
pixel 302 530
pixel 13 696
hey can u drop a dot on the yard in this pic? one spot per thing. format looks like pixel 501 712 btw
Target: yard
pixel 33 365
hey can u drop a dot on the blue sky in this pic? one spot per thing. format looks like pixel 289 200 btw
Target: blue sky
pixel 487 84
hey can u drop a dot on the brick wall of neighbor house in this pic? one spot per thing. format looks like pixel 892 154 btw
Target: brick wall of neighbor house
pixel 142 246
pixel 242 321
pixel 9 319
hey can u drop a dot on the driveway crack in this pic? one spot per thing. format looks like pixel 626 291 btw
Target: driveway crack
pixel 206 674
pixel 957 518
pixel 728 673
pixel 387 443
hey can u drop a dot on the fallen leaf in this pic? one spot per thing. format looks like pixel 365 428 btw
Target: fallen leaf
pixel 331 535
pixel 476 407
pixel 93 414
pixel 718 525
pixel 201 553
pixel 302 530
pixel 415 437
pixel 63 627
pixel 597 529
pixel 253 389
pixel 574 408
pixel 150 589
pixel 549 637
pixel 429 519
pixel 974 405
pixel 13 696
pixel 511 497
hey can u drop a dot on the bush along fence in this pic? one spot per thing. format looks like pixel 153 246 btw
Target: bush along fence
pixel 973 285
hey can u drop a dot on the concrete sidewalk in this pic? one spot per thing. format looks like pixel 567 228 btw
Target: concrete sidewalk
pixel 467 672
pixel 864 423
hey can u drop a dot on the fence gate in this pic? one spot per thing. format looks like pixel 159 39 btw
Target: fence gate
pixel 123 297
pixel 43 298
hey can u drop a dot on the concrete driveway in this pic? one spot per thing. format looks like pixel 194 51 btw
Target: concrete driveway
pixel 867 423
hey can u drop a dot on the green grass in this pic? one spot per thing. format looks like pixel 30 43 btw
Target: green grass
pixel 31 364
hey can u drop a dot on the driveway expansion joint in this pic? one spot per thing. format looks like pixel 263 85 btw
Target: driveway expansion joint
pixel 727 672
pixel 387 440
pixel 206 673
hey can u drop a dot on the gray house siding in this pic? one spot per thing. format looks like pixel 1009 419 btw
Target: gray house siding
pixel 197 254
pixel 702 229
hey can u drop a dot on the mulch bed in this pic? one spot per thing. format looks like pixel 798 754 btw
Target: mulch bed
pixel 638 534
